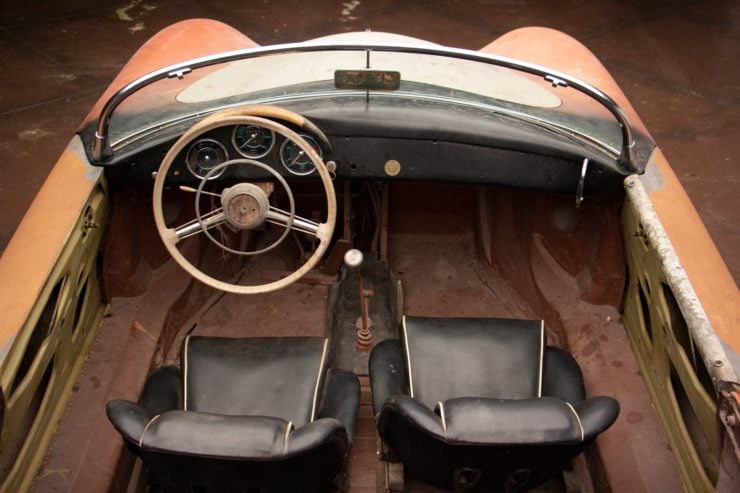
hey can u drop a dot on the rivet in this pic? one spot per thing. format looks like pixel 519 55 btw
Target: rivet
pixel 717 362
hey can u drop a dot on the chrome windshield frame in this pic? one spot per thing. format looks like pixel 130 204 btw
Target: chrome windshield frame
pixel 102 150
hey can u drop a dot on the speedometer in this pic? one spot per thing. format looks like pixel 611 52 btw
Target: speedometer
pixel 252 141
pixel 205 155
pixel 295 159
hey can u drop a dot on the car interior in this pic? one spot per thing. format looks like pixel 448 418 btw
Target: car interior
pixel 466 291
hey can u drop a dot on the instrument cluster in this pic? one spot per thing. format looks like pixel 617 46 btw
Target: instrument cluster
pixel 250 142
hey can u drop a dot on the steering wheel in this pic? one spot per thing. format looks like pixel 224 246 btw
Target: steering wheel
pixel 245 205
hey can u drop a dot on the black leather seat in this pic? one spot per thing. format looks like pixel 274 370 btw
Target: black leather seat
pixel 248 415
pixel 482 404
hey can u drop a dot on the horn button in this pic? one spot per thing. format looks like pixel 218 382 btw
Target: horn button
pixel 245 205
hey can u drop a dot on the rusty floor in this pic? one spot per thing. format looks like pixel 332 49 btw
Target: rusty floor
pixel 675 59
pixel 449 279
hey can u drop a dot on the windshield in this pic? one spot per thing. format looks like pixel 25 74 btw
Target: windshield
pixel 284 77
pixel 298 70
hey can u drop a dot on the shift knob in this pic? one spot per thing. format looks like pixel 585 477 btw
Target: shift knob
pixel 353 258
pixel 353 261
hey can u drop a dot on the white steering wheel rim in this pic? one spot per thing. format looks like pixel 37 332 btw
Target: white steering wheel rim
pixel 230 117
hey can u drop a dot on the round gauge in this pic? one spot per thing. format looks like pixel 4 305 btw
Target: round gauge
pixel 252 141
pixel 204 155
pixel 295 160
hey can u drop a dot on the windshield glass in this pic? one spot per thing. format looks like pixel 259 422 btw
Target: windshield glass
pixel 285 77
pixel 299 69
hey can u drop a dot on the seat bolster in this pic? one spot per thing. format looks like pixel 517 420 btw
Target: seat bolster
pixel 129 418
pixel 388 374
pixel 163 390
pixel 542 421
pixel 562 377
pixel 597 414
pixel 319 432
pixel 217 435
pixel 412 411
pixel 340 399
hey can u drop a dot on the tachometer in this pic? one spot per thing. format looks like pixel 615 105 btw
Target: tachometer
pixel 252 141
pixel 295 160
pixel 204 155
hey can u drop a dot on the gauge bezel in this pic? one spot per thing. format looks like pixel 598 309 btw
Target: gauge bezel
pixel 312 141
pixel 253 156
pixel 191 165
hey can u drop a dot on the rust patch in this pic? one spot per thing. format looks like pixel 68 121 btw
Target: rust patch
pixel 589 348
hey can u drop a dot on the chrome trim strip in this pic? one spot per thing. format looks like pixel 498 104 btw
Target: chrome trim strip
pixel 318 379
pixel 102 150
pixel 581 183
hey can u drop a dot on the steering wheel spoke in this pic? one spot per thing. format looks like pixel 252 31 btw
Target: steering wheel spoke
pixel 210 220
pixel 282 218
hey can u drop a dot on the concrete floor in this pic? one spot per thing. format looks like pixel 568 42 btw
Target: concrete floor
pixel 677 61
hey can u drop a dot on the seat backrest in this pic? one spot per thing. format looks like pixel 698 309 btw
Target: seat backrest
pixel 487 357
pixel 258 377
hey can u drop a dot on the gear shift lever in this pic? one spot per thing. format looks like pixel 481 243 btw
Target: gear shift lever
pixel 353 260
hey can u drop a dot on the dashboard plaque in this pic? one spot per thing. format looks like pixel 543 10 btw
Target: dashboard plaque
pixel 367 80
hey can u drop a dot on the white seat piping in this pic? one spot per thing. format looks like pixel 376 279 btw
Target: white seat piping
pixel 318 380
pixel 287 436
pixel 578 418
pixel 185 374
pixel 146 428
pixel 442 416
pixel 408 357
pixel 542 356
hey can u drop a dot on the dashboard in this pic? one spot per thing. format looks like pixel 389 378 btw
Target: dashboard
pixel 391 142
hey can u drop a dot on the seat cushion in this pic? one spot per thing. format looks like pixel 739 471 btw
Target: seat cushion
pixel 277 377
pixel 499 422
pixel 217 435
pixel 448 358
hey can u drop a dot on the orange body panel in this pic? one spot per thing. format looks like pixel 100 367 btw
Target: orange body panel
pixel 177 43
pixel 34 249
pixel 558 51
pixel 699 257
